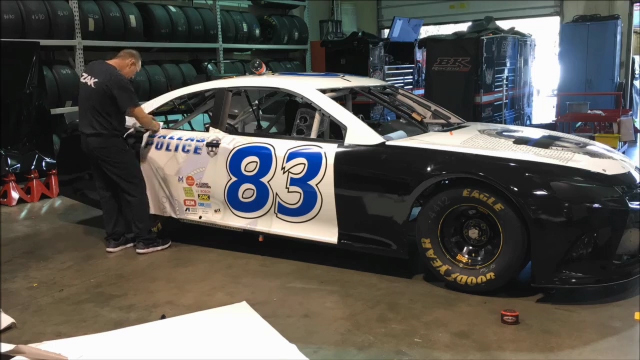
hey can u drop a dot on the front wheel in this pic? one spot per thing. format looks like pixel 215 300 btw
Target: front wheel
pixel 472 238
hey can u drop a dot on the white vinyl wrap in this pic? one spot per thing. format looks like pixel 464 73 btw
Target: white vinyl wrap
pixel 168 164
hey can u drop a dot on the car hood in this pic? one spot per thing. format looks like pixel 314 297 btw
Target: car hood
pixel 524 143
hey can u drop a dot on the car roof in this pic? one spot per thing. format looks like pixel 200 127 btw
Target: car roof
pixel 319 81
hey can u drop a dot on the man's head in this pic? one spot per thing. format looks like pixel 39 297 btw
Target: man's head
pixel 128 62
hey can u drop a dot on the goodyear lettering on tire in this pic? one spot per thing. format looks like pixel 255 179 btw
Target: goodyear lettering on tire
pixel 446 269
pixel 484 197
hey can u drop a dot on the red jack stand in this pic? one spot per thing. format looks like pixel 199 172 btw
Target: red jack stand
pixel 34 187
pixel 51 187
pixel 12 192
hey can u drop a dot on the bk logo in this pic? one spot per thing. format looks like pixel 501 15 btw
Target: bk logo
pixel 452 64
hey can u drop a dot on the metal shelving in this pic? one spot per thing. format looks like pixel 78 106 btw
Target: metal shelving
pixel 78 44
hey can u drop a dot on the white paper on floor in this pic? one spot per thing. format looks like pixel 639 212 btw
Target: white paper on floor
pixel 229 332
pixel 5 320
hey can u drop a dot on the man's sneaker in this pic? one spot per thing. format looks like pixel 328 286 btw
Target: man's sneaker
pixel 117 245
pixel 157 245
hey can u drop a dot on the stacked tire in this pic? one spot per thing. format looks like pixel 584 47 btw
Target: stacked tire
pixel 61 84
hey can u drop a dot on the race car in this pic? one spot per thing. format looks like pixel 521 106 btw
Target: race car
pixel 362 164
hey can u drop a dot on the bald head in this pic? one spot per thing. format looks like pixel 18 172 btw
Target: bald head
pixel 128 62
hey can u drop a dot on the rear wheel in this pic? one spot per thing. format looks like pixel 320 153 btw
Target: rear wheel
pixel 471 238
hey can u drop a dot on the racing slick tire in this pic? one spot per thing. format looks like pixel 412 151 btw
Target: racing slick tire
pixel 61 19
pixel 133 27
pixel 472 238
pixel 210 24
pixel 12 27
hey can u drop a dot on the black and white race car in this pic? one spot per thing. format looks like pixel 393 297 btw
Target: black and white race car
pixel 362 164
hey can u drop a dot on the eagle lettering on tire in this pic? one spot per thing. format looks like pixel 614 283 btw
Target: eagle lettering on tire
pixel 472 238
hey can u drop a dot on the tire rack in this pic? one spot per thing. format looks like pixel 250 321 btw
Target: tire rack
pixel 78 44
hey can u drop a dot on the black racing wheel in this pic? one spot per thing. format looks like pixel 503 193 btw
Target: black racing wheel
pixel 472 238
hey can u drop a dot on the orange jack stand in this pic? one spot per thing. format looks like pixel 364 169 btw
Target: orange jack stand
pixel 11 192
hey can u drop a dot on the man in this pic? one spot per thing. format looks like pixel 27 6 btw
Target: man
pixel 106 97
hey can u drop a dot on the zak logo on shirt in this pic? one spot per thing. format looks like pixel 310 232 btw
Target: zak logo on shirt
pixel 89 80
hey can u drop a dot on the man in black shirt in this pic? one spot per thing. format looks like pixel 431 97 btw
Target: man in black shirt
pixel 106 97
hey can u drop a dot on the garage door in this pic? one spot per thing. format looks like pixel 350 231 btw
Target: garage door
pixel 442 12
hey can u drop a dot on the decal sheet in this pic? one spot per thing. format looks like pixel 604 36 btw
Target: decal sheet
pixel 275 186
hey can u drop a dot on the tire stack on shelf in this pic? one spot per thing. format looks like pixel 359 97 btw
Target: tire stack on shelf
pixel 129 21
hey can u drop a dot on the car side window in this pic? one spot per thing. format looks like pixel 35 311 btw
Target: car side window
pixel 190 112
pixel 279 113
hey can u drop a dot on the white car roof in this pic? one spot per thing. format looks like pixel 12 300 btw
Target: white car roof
pixel 318 81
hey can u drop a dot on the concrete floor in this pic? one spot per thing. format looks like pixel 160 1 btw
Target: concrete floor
pixel 57 282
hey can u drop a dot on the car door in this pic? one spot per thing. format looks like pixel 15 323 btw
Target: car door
pixel 270 181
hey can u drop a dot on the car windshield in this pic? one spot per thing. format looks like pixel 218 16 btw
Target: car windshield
pixel 393 112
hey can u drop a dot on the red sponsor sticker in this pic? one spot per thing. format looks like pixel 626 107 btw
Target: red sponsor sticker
pixel 190 202
pixel 191 181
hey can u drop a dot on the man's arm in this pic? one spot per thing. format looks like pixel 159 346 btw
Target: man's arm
pixel 145 120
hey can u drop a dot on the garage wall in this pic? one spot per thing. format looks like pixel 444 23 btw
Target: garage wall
pixel 367 14
pixel 443 12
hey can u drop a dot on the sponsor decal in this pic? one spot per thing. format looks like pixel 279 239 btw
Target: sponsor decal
pixel 204 197
pixel 204 205
pixel 484 197
pixel 203 185
pixel 205 212
pixel 190 180
pixel 190 202
pixel 170 143
pixel 452 64
pixel 203 191
pixel 188 192
pixel 181 179
pixel 446 269
pixel 217 211
pixel 190 211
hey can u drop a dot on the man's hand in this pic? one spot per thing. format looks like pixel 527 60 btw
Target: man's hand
pixel 145 120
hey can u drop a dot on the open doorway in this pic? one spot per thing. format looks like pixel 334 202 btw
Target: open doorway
pixel 545 69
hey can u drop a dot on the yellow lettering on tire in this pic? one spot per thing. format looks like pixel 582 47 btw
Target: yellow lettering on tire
pixel 436 263
pixel 462 279
pixel 471 281
pixel 475 194
pixel 430 254
pixel 443 268
pixel 481 279
pixel 491 276
pixel 484 197
pixel 426 243
pixel 452 277
pixel 498 207
pixel 465 192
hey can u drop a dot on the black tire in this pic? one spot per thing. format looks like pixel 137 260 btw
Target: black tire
pixel 11 26
pixel 157 24
pixel 254 28
pixel 189 74
pixel 112 20
pixel 68 84
pixel 287 66
pixel 247 68
pixel 157 81
pixel 91 24
pixel 233 68
pixel 274 30
pixel 242 28
pixel 293 30
pixel 228 28
pixel 51 88
pixel 132 19
pixel 298 67
pixel 210 24
pixel 179 24
pixel 303 30
pixel 172 72
pixel 35 20
pixel 196 25
pixel 141 85
pixel 205 68
pixel 275 67
pixel 61 19
pixel 482 220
